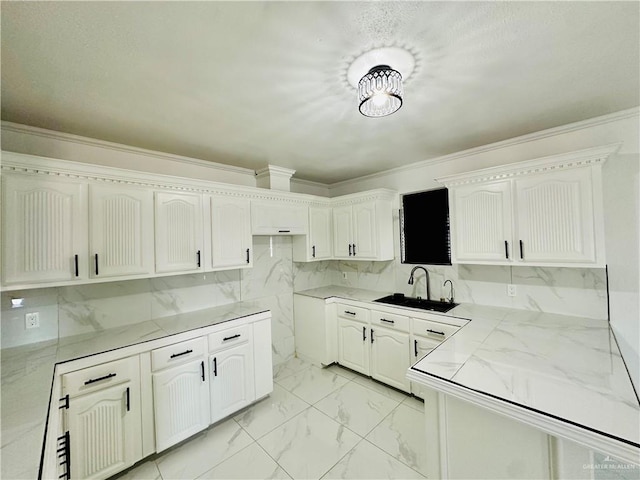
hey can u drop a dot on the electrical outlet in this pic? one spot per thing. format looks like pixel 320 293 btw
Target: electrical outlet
pixel 32 320
pixel 511 290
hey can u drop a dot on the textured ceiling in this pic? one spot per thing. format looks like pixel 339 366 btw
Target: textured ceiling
pixel 253 83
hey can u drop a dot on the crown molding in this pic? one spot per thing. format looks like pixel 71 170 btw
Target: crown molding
pixel 91 142
pixel 565 161
pixel 530 137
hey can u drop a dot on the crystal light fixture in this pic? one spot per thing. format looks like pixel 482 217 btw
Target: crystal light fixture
pixel 380 91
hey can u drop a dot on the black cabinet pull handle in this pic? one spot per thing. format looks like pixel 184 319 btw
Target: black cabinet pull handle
pixel 415 348
pixel 364 334
pixel 284 231
pixel 349 313
pixel 94 380
pixel 199 258
pixel 237 335
pixel 435 331
pixel 215 366
pixel 350 250
pixel 372 335
pixel 521 251
pixel 313 249
pixel 128 400
pixel 186 352
pixel 96 264
pixel 354 249
pixel 75 264
pixel 388 321
pixel 202 369
pixel 247 255
pixel 506 249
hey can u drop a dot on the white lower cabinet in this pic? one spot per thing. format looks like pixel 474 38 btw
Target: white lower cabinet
pixel 180 392
pixel 103 421
pixel 381 352
pixel 420 346
pixel 231 368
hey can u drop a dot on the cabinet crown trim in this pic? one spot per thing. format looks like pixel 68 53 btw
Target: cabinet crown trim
pixel 580 158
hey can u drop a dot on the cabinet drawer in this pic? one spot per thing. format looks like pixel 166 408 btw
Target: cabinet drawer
pixel 353 313
pixel 229 337
pixel 177 353
pixel 390 320
pixel 435 330
pixel 100 376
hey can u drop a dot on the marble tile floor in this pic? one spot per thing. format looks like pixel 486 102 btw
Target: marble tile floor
pixel 326 423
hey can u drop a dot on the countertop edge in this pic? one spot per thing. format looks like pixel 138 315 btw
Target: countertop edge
pixel 593 439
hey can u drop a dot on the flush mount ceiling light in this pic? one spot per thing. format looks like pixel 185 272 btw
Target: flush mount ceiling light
pixel 378 75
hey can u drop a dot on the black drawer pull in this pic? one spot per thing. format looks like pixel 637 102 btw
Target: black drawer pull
pixel 506 249
pixel 94 380
pixel 215 366
pixel 349 313
pixel 198 253
pixel 435 331
pixel 415 348
pixel 96 264
pixel 354 249
pixel 350 250
pixel 364 334
pixel 284 231
pixel 186 352
pixel 313 249
pixel 75 263
pixel 521 251
pixel 248 258
pixel 388 321
pixel 237 335
pixel 202 367
pixel 128 400
pixel 372 335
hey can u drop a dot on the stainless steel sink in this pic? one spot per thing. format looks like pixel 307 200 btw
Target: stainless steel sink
pixel 401 300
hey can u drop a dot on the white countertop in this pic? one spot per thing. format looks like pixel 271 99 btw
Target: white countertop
pixel 561 373
pixel 27 375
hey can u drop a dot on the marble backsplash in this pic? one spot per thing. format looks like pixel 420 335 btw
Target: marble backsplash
pixel 67 311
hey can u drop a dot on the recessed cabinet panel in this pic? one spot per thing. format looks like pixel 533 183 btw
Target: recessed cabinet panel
pixel 342 228
pixel 178 232
pixel 365 231
pixel 390 358
pixel 45 224
pixel 353 345
pixel 230 233
pixel 482 222
pixel 121 231
pixel 231 380
pixel 555 217
pixel 181 402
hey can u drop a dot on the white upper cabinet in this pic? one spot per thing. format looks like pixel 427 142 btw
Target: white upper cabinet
pixel 269 217
pixel 230 235
pixel 44 230
pixel 318 244
pixel 545 212
pixel 178 232
pixel 481 226
pixel 363 228
pixel 120 230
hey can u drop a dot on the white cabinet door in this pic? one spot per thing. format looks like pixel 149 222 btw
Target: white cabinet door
pixel 230 233
pixel 104 431
pixel 390 357
pixel 365 245
pixel 181 403
pixel 555 217
pixel 482 223
pixel 178 232
pixel 353 345
pixel 121 231
pixel 342 232
pixel 45 230
pixel 231 380
pixel 320 233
